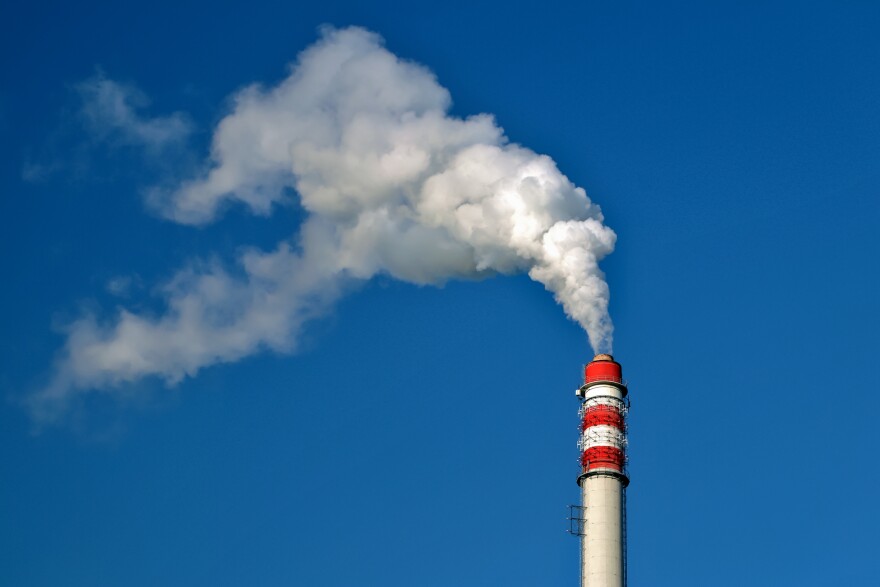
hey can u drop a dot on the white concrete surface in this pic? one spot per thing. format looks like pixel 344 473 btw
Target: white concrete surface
pixel 602 544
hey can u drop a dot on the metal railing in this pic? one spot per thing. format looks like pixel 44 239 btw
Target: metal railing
pixel 599 378
pixel 622 405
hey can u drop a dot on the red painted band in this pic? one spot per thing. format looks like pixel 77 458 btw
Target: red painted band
pixel 602 457
pixel 603 415
pixel 603 371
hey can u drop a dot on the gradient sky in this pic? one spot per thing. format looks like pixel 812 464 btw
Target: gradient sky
pixel 426 436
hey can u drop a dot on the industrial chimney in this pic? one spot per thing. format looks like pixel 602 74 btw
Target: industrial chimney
pixel 603 478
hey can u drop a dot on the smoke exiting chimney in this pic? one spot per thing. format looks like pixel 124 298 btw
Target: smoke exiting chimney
pixel 390 183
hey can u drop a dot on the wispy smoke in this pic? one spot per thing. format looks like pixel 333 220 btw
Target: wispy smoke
pixel 392 184
pixel 110 112
pixel 109 115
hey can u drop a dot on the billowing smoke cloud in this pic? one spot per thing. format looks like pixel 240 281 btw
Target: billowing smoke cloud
pixel 392 185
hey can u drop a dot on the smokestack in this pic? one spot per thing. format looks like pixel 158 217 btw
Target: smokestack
pixel 603 478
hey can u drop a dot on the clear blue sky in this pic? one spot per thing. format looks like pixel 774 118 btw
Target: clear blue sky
pixel 426 436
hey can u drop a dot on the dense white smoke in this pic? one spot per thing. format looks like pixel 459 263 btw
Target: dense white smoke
pixel 392 184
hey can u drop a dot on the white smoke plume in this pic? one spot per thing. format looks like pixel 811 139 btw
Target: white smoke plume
pixel 392 183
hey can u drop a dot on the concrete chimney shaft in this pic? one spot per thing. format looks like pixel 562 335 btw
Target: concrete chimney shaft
pixel 603 478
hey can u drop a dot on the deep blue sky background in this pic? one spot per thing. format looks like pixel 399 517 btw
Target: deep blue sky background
pixel 427 436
